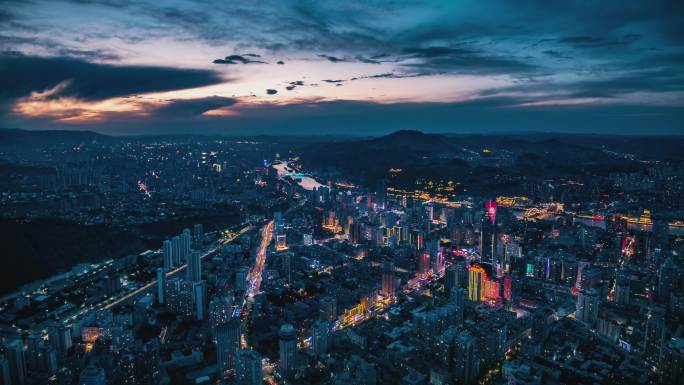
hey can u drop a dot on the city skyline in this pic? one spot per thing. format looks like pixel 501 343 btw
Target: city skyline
pixel 355 68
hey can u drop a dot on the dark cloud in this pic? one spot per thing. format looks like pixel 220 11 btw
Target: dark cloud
pixel 597 41
pixel 271 91
pixel 280 62
pixel 184 108
pixel 333 80
pixel 333 59
pixel 433 52
pixel 20 75
pixel 235 59
pixel 294 84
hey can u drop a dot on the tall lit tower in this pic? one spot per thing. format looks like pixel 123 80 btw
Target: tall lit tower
pixel 488 235
pixel 288 349
pixel 476 279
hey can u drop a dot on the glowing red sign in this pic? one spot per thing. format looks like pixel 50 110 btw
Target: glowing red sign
pixel 491 210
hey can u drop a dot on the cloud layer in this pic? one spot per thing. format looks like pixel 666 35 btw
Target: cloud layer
pixel 590 63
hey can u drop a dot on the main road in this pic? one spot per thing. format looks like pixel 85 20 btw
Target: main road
pixel 171 273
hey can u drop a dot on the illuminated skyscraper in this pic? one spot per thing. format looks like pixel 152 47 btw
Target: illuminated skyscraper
pixel 287 349
pixel 476 281
pixel 488 238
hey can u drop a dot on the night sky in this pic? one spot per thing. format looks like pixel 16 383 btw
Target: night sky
pixel 342 67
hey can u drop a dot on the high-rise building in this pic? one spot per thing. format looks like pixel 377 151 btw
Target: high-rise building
pixel 357 371
pixel 241 279
pixel 48 359
pixel 59 336
pixel 476 282
pixel 320 334
pixel 388 280
pixel 654 338
pixel 424 263
pixel 327 309
pixel 249 369
pixel 33 344
pixel 671 366
pixel 227 345
pixel 194 272
pixel 186 244
pixel 177 250
pixel 16 359
pixel 125 368
pixel 286 266
pixel 466 362
pixel 456 275
pixel 5 371
pixel 488 238
pixel 197 234
pixel 587 306
pixel 287 349
pixel 667 280
pixel 161 285
pixel 199 294
pixel 220 312
pixel 92 375
pixel 167 255
pixel 147 363
pixel 457 296
pixel 622 288
pixel 381 193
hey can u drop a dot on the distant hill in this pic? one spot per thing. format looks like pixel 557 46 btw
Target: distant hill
pixel 450 156
pixel 13 137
